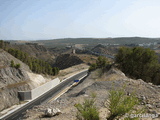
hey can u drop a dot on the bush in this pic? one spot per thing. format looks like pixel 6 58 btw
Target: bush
pixel 12 63
pixel 87 110
pixel 101 62
pixel 119 104
pixel 17 66
pixel 93 67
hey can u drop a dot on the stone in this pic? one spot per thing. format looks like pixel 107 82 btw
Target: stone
pixel 149 106
pixel 52 112
pixel 158 105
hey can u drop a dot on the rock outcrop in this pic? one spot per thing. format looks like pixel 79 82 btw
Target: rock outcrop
pixel 67 60
pixel 52 112
pixel 13 80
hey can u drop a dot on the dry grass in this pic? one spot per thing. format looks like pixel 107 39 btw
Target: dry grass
pixel 110 76
pixel 89 59
pixel 71 70
pixel 17 84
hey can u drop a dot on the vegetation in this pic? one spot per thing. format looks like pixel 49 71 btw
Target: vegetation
pixel 101 62
pixel 17 66
pixel 120 104
pixel 87 110
pixel 95 41
pixel 3 45
pixel 139 63
pixel 36 65
pixel 12 63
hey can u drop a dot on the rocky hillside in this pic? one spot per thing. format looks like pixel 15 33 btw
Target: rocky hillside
pixel 5 60
pixel 35 50
pixel 105 49
pixel 13 80
pixel 67 60
pixel 100 84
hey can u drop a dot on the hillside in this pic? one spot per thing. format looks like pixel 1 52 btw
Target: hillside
pixel 13 80
pixel 96 41
pixel 67 60
pixel 35 50
pixel 147 93
pixel 105 49
pixel 5 60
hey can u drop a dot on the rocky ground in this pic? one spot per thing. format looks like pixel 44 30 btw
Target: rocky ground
pixel 100 84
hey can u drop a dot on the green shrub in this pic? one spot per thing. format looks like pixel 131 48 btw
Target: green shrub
pixel 101 63
pixel 17 66
pixel 119 104
pixel 12 63
pixel 87 110
pixel 139 63
pixel 93 67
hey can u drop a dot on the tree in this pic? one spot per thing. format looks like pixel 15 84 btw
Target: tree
pixel 138 63
pixel 101 62
pixel 93 67
pixel 12 63
pixel 36 65
pixel 55 70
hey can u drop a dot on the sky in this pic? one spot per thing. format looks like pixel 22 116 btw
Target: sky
pixel 52 19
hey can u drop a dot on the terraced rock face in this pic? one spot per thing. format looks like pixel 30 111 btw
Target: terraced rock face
pixel 12 80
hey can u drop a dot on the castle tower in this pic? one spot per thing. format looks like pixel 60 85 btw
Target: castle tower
pixel 73 51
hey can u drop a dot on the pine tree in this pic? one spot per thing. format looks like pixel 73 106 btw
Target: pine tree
pixel 12 63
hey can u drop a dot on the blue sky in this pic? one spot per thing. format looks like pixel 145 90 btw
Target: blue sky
pixel 51 19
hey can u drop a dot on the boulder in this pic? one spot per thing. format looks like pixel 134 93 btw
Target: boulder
pixel 52 112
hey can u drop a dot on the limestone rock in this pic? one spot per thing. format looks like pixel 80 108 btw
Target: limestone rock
pixel 52 112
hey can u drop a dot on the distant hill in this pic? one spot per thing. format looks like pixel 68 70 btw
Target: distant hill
pixel 95 41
